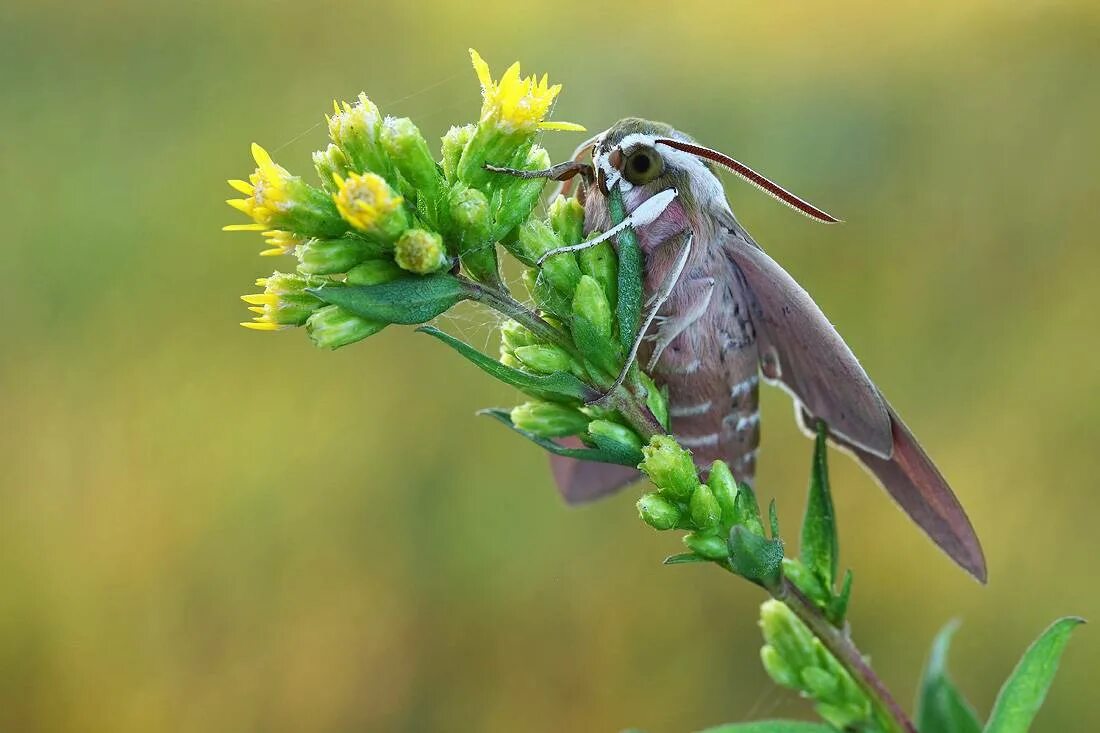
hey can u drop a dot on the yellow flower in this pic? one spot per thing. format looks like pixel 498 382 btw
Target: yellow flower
pixel 368 203
pixel 280 242
pixel 517 104
pixel 284 302
pixel 266 190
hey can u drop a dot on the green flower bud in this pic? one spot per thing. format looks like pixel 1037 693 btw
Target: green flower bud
pixel 514 333
pixel 374 272
pixel 544 358
pixel 590 303
pixel 746 512
pixel 476 248
pixel 408 150
pixel 788 635
pixel 454 142
pixel 332 327
pixel 508 359
pixel 601 263
pixel 724 486
pixel 566 217
pixel 669 467
pixel 284 302
pixel 561 270
pixel 806 581
pixel 543 293
pixel 658 512
pixel 616 433
pixel 705 545
pixel 356 129
pixel 330 164
pixel 420 251
pixel 705 512
pixel 520 196
pixel 330 256
pixel 780 672
pixel 276 200
pixel 549 420
pixel 820 684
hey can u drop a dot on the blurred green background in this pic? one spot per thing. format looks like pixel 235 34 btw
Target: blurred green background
pixel 208 529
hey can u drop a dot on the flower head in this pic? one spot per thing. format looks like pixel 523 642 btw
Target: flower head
pixel 518 104
pixel 355 129
pixel 267 192
pixel 368 203
pixel 284 302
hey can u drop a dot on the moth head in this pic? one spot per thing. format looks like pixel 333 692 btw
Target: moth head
pixel 652 156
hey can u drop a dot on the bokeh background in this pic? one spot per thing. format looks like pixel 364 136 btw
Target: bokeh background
pixel 208 529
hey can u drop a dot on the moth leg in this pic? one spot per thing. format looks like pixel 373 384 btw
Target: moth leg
pixel 646 213
pixel 560 172
pixel 658 301
pixel 669 327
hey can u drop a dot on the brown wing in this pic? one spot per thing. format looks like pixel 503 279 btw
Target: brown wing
pixel 584 481
pixel 921 491
pixel 800 350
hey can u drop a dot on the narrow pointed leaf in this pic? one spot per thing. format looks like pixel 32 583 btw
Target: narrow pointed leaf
pixel 838 609
pixel 819 548
pixel 412 299
pixel 585 454
pixel 1023 693
pixel 683 558
pixel 771 726
pixel 941 707
pixel 547 386
pixel 629 306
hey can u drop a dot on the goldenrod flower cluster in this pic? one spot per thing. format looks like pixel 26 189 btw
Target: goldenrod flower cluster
pixel 385 205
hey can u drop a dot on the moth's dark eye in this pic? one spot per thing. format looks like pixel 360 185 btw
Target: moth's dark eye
pixel 642 166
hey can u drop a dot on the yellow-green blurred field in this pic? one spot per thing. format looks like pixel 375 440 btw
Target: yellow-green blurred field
pixel 208 529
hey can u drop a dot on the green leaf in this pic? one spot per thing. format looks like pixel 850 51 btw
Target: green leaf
pixel 629 307
pixel 941 708
pixel 547 386
pixel 600 455
pixel 754 557
pixel 838 609
pixel 411 299
pixel 819 548
pixel 771 726
pixel 1024 691
pixel 683 559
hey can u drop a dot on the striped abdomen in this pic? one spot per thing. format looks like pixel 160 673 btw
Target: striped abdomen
pixel 710 367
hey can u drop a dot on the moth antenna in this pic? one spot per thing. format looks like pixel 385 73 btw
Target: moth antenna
pixel 743 171
pixel 566 187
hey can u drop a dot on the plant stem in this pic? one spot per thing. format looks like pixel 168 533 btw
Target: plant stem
pixel 840 646
pixel 507 305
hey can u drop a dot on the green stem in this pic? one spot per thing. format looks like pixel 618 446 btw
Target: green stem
pixel 509 306
pixel 841 646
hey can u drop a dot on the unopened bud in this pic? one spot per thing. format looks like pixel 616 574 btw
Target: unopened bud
pixel 658 512
pixel 724 486
pixel 514 333
pixel 669 467
pixel 544 358
pixel 356 129
pixel 408 150
pixel 567 219
pixel 614 432
pixel 548 419
pixel 330 164
pixel 520 196
pixel 330 256
pixel 332 327
pixel 454 142
pixel 706 545
pixel 778 669
pixel 471 219
pixel 600 262
pixel 420 251
pixel 705 512
pixel 561 270
pixel 374 272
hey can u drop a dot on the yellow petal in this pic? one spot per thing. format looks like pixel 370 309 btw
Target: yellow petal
pixel 243 186
pixel 258 326
pixel 275 252
pixel 260 299
pixel 243 227
pixel 562 126
pixel 261 157
pixel 481 69
pixel 256 309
